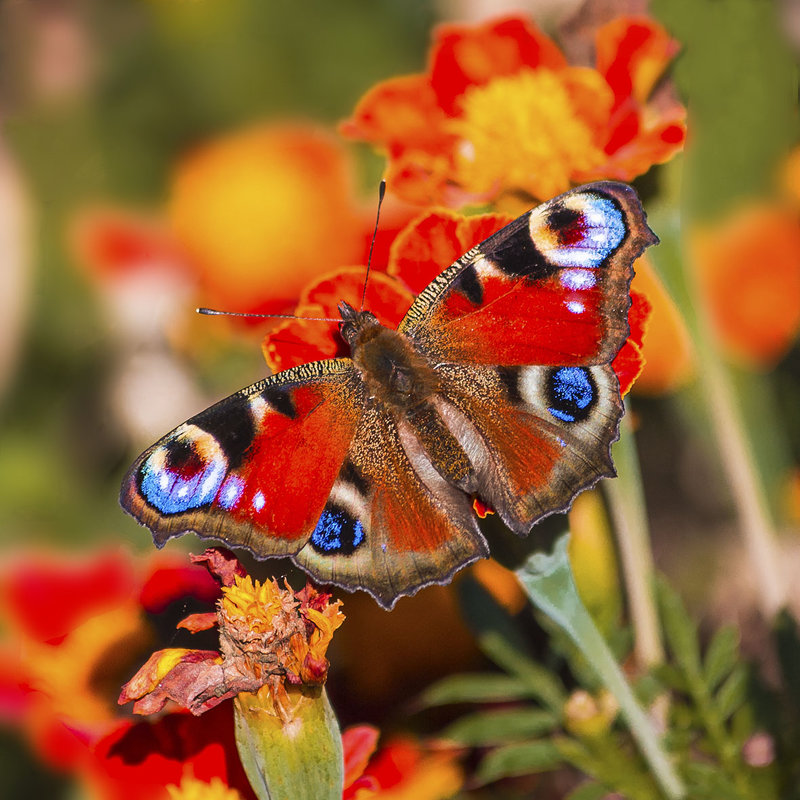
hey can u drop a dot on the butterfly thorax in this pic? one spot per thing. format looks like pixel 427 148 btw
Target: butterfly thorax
pixel 394 371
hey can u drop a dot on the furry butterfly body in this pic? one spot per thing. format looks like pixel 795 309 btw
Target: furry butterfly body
pixel 497 384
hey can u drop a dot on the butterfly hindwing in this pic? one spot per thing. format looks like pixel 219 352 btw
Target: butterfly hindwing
pixel 536 435
pixel 392 523
pixel 551 288
pixel 256 468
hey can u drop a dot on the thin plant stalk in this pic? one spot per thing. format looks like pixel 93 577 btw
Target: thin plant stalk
pixel 626 504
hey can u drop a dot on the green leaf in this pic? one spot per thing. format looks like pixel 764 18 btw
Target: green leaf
pixel 680 631
pixel 722 655
pixel 708 782
pixel 503 642
pixel 548 581
pixel 588 791
pixel 518 759
pixel 498 727
pixel 479 687
pixel 733 692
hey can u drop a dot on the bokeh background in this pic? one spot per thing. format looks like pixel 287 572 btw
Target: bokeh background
pixel 107 210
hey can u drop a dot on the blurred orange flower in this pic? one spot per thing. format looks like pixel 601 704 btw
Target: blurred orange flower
pixel 401 770
pixel 500 113
pixel 253 216
pixel 667 347
pixel 749 271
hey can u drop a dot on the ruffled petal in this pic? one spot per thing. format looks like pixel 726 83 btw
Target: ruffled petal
pixel 632 54
pixel 399 114
pixel 299 341
pixel 472 55
pixel 629 361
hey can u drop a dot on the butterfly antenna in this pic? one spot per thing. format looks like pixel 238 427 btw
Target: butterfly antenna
pixel 381 193
pixel 212 312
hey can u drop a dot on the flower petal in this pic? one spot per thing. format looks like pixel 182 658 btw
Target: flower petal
pixel 299 341
pixel 400 114
pixel 472 55
pixel 667 349
pixel 629 361
pixel 632 54
pixel 429 244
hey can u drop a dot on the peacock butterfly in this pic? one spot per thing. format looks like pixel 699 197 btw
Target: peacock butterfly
pixel 496 384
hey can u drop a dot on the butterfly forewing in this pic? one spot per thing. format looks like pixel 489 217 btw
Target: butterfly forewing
pixel 551 288
pixel 256 468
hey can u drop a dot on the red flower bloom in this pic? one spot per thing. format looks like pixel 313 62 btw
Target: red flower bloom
pixel 501 113
pixel 74 630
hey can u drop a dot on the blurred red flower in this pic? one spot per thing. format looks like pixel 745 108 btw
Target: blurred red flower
pixel 74 630
pixel 501 114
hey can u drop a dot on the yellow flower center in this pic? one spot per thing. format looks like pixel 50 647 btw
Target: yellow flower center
pixel 258 603
pixel 528 132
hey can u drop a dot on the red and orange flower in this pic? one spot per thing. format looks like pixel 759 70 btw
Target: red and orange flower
pixel 500 113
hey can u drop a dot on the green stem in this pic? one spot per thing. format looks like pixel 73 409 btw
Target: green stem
pixel 626 503
pixel 548 581
pixel 736 457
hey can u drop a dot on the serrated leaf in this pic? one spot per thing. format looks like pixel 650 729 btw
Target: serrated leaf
pixel 518 759
pixel 733 692
pixel 722 656
pixel 476 688
pixel 500 727
pixel 680 631
pixel 588 791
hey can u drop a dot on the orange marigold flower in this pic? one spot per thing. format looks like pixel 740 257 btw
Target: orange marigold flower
pixel 749 271
pixel 260 211
pixel 500 113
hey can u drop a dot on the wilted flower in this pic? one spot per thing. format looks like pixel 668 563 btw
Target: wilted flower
pixel 272 661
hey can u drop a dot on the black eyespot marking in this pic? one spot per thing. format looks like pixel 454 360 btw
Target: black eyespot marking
pixel 234 429
pixel 469 285
pixel 281 400
pixel 510 378
pixel 571 393
pixel 565 222
pixel 337 533
pixel 516 254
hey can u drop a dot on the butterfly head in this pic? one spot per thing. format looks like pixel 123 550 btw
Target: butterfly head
pixel 355 323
